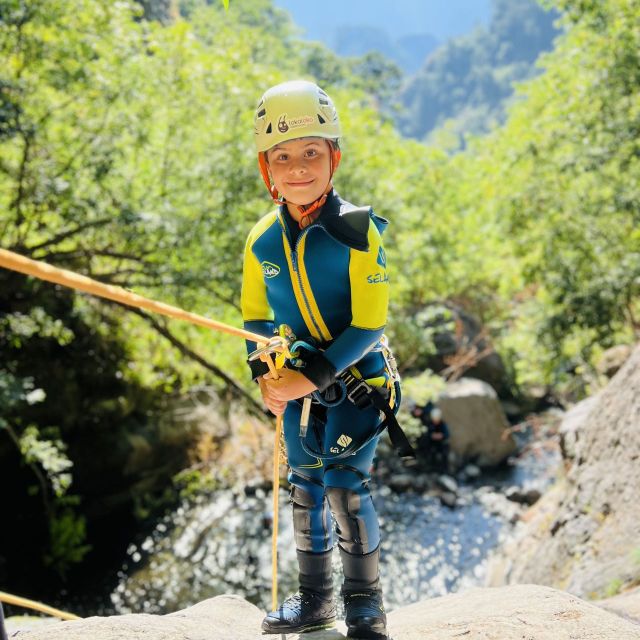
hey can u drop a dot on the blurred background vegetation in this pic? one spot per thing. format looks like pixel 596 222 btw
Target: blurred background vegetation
pixel 508 162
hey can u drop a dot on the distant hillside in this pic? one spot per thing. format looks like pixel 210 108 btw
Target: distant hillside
pixel 405 31
pixel 467 82
pixel 408 52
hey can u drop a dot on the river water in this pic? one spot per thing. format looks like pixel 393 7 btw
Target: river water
pixel 222 544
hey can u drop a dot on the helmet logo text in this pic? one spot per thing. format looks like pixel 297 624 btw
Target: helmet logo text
pixel 283 127
pixel 284 123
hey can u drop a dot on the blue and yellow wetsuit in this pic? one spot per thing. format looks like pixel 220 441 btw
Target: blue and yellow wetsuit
pixel 331 284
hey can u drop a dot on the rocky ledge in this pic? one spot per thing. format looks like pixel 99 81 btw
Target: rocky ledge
pixel 521 612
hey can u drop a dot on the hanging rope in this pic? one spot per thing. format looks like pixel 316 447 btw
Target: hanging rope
pixel 278 344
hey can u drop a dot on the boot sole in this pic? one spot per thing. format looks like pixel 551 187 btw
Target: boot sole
pixel 307 628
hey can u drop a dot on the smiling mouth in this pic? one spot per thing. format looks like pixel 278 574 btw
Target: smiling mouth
pixel 300 184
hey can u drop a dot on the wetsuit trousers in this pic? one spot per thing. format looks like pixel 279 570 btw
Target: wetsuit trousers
pixel 321 489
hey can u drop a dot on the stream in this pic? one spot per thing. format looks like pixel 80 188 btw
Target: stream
pixel 222 544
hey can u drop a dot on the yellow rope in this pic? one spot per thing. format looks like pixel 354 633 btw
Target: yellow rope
pixel 276 488
pixel 44 271
pixel 36 606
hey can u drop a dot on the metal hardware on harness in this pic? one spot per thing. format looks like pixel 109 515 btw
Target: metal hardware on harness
pixel 355 392
pixel 276 344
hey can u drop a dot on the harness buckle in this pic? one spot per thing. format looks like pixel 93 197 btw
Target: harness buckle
pixel 355 393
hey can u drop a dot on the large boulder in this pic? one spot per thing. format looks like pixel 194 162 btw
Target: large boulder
pixel 478 425
pixel 461 345
pixel 584 534
pixel 509 613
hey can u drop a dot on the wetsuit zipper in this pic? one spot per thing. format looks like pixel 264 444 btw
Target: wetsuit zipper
pixel 294 264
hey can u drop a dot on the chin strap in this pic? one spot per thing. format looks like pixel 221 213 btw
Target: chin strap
pixel 307 209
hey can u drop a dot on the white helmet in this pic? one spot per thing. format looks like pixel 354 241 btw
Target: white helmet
pixel 295 109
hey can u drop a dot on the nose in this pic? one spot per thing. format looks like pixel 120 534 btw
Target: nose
pixel 298 165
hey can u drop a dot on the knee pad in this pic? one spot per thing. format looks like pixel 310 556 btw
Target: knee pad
pixel 310 518
pixel 354 524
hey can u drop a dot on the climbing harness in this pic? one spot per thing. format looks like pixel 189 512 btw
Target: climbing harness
pixel 382 392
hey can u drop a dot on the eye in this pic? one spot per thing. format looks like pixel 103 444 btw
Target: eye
pixel 282 157
pixel 310 153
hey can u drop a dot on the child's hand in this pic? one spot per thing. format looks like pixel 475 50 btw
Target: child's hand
pixel 289 386
pixel 274 405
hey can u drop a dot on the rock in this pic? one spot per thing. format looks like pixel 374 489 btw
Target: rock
pixel 448 483
pixel 461 341
pixel 477 422
pixel 472 471
pixel 583 535
pixel 625 604
pixel 524 612
pixel 217 618
pixel 570 425
pixel 516 494
pixel 448 499
pixel 401 482
pixel 612 360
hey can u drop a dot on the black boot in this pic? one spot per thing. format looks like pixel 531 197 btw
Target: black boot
pixel 313 607
pixel 364 612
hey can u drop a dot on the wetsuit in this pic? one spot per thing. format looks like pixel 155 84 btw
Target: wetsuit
pixel 330 283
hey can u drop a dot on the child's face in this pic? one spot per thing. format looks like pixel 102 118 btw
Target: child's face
pixel 300 169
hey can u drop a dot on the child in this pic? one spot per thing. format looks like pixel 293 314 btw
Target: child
pixel 317 265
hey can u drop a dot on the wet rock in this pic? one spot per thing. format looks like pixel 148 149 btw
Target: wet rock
pixel 477 422
pixel 472 471
pixel 448 499
pixel 402 482
pixel 521 496
pixel 447 483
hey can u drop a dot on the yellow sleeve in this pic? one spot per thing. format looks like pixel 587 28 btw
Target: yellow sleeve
pixel 253 297
pixel 369 283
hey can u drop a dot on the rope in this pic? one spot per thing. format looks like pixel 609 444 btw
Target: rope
pixel 43 271
pixel 36 606
pixel 276 488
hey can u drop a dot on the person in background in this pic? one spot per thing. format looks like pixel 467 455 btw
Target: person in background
pixel 433 443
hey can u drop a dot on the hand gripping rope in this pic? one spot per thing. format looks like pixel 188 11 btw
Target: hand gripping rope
pixel 274 344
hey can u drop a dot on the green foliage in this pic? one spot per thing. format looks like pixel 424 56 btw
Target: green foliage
pixel 68 533
pixel 126 154
pixel 613 588
pixel 50 455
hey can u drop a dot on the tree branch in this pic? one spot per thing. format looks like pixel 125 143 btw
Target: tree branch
pixel 68 233
pixel 233 386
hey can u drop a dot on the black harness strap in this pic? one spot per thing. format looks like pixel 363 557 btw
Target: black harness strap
pixel 364 395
